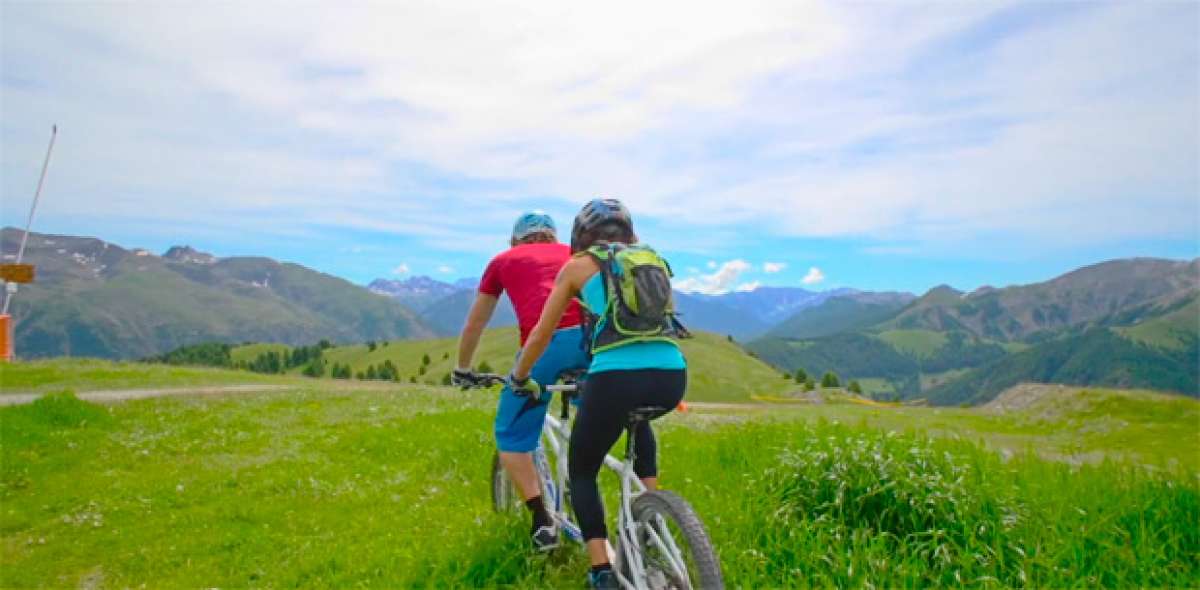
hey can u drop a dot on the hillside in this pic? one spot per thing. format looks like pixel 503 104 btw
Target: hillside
pixel 843 313
pixel 956 347
pixel 718 369
pixel 94 298
pixel 1098 357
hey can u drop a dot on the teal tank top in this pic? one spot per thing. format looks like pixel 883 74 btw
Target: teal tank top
pixel 632 356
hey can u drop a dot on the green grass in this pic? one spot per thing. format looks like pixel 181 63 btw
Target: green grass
pixel 875 385
pixel 1170 331
pixel 89 374
pixel 388 488
pixel 915 343
pixel 248 352
pixel 719 369
pixel 931 380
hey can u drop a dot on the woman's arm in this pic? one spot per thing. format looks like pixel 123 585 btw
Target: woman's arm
pixel 556 304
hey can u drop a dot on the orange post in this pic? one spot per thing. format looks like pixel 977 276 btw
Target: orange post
pixel 6 338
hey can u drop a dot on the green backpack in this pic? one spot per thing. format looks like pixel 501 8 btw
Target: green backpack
pixel 641 308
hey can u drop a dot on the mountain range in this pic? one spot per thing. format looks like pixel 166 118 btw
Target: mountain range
pixel 1122 323
pixel 95 298
pixel 741 314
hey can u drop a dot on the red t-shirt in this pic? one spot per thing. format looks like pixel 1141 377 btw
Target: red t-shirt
pixel 527 272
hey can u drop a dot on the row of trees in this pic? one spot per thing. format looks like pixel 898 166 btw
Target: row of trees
pixel 311 358
pixel 206 354
pixel 828 380
pixel 276 362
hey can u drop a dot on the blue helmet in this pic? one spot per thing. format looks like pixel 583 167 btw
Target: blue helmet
pixel 532 223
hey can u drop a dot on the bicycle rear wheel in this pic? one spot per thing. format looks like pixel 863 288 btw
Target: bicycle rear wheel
pixel 505 497
pixel 673 543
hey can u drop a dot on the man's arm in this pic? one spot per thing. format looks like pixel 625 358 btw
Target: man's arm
pixel 477 320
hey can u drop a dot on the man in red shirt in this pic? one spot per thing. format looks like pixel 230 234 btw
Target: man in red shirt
pixel 527 271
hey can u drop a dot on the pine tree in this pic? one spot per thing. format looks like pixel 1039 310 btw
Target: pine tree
pixel 801 376
pixel 829 379
pixel 855 387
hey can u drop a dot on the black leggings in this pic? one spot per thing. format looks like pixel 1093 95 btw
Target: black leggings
pixel 604 408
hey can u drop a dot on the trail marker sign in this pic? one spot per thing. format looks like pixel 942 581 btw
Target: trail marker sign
pixel 17 273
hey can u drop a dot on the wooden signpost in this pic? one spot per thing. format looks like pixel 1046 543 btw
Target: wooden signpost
pixel 14 274
pixel 17 273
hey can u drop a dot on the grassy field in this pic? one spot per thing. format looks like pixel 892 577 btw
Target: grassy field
pixel 91 374
pixel 915 343
pixel 322 486
pixel 720 371
pixel 248 352
pixel 1170 331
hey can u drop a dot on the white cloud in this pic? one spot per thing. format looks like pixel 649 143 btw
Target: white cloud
pixel 716 283
pixel 747 287
pixel 813 277
pixel 401 269
pixel 712 264
pixel 773 267
pixel 444 269
pixel 1053 131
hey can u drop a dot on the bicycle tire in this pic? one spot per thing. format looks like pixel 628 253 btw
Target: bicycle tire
pixel 704 570
pixel 505 498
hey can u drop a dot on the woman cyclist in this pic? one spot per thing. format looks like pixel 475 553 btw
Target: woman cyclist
pixel 619 379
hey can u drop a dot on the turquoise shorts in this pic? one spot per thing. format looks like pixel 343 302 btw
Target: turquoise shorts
pixel 519 418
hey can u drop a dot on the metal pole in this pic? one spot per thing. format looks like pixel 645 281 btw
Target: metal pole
pixel 10 289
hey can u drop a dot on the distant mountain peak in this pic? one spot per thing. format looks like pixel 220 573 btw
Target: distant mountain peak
pixel 942 293
pixel 189 254
pixel 416 292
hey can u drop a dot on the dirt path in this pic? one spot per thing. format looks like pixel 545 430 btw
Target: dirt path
pixel 118 395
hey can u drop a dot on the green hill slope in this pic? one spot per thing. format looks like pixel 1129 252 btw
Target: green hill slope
pixel 966 348
pixel 838 314
pixel 718 369
pixel 93 298
pixel 1097 356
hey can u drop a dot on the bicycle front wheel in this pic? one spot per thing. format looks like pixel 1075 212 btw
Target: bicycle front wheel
pixel 673 543
pixel 504 494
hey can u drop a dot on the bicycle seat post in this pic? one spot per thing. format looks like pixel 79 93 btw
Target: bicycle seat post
pixel 629 436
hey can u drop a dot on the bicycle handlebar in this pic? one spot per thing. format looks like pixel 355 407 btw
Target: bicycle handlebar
pixel 489 379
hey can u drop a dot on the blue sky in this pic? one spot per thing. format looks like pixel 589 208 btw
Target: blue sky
pixel 879 146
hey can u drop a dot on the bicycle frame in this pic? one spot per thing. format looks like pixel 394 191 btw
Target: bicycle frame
pixel 557 436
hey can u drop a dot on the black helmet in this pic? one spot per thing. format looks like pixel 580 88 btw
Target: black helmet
pixel 596 213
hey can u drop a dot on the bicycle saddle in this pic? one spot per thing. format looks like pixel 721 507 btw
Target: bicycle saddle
pixel 646 413
pixel 572 375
